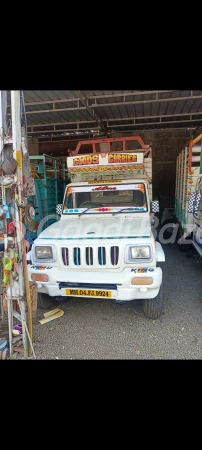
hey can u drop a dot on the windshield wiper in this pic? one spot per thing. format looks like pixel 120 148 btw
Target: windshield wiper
pixel 124 209
pixel 83 212
pixel 90 207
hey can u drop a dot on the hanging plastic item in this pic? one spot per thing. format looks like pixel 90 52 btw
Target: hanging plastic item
pixel 6 277
pixel 9 165
pixel 7 263
pixel 8 181
pixel 3 348
pixel 15 289
pixel 11 228
pixel 17 329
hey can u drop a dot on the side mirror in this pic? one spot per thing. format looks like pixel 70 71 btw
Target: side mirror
pixel 193 203
pixel 59 210
pixel 154 206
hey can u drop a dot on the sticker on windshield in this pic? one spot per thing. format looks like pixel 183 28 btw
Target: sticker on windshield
pixel 69 191
pixel 104 188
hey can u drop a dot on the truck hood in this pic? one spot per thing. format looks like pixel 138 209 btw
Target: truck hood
pixel 100 228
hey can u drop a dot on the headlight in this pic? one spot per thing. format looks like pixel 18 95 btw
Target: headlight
pixel 140 252
pixel 43 252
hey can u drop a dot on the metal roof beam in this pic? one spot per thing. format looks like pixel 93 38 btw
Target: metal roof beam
pixel 64 123
pixel 72 140
pixel 102 105
pixel 94 115
pixel 65 130
pixel 153 117
pixel 114 126
pixel 157 100
pixel 114 120
pixel 94 97
pixel 155 123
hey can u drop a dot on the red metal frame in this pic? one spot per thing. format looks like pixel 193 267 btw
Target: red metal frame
pixel 197 139
pixel 191 143
pixel 108 141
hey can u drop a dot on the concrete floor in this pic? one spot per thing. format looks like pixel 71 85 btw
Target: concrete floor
pixel 100 329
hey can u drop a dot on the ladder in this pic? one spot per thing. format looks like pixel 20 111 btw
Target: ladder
pixel 13 149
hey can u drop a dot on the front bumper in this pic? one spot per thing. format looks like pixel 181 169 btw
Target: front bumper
pixel 119 283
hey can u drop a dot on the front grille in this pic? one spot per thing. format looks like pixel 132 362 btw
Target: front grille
pixel 65 256
pixel 77 256
pixel 102 256
pixel 114 255
pixel 90 256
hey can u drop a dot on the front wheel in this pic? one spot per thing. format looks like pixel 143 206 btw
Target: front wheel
pixel 44 301
pixel 153 307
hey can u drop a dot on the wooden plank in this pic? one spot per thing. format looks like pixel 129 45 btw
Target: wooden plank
pixel 51 315
pixel 18 349
pixel 34 295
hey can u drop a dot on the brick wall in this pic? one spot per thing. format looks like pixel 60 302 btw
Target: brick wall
pixel 166 146
pixel 33 147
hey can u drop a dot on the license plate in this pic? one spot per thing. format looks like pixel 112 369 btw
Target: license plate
pixel 88 293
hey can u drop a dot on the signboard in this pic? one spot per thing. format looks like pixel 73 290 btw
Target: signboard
pixel 86 160
pixel 104 159
pixel 123 158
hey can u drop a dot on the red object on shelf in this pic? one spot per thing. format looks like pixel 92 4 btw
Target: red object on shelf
pixel 11 227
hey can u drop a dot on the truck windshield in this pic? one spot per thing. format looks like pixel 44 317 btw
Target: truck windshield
pixel 105 198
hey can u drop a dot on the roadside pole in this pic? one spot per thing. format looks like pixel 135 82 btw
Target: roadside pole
pixel 17 154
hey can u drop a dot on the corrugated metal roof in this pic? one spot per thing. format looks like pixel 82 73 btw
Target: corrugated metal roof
pixel 65 113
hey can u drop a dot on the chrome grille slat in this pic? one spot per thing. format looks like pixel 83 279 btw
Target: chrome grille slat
pixel 101 256
pixel 114 255
pixel 90 257
pixel 77 256
pixel 65 256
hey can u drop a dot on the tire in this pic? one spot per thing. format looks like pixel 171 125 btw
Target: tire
pixel 44 301
pixel 153 307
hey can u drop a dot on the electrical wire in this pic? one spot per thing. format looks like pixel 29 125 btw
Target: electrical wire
pixel 23 111
pixel 9 123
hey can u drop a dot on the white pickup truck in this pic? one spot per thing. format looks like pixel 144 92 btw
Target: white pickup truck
pixel 103 245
